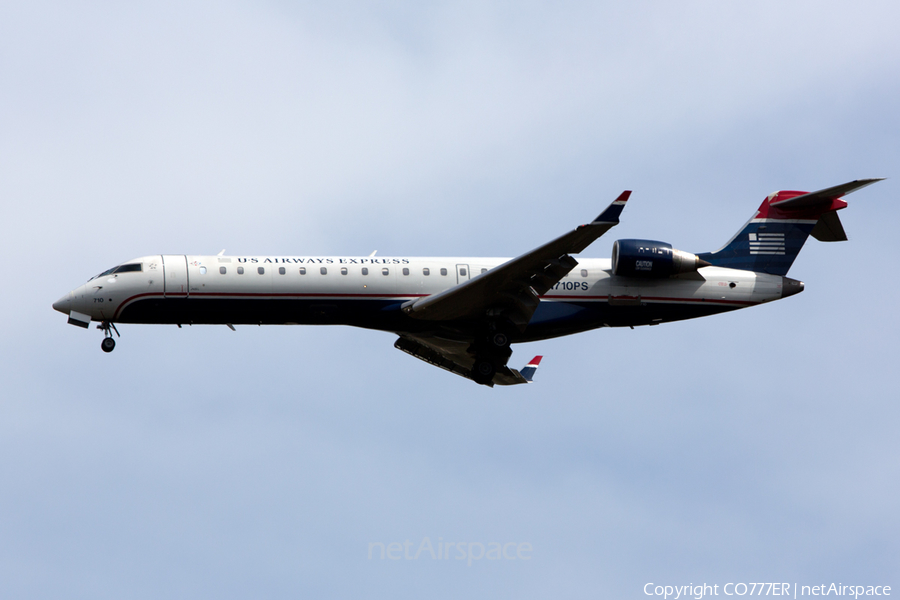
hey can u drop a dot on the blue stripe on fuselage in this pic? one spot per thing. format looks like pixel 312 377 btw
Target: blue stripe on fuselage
pixel 551 318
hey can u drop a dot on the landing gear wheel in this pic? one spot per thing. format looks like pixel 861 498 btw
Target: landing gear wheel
pixel 500 340
pixel 107 327
pixel 483 371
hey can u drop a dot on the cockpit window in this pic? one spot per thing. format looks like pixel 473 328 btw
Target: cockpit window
pixel 129 268
pixel 132 267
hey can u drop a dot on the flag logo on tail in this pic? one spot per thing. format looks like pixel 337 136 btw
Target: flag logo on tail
pixel 767 243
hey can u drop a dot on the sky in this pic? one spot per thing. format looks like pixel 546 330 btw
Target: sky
pixel 756 446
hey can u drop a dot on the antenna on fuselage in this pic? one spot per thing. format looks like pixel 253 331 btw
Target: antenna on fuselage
pixel 221 253
pixel 373 253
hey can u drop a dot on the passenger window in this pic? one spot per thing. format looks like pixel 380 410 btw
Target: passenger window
pixel 240 270
pixel 385 271
pixel 203 270
pixel 462 272
pixel 365 270
pixel 483 270
pixel 584 272
pixel 222 270
pixel 343 270
pixel 443 271
pixel 324 270
pixel 405 271
pixel 303 270
pixel 425 271
pixel 281 271
pixel 261 270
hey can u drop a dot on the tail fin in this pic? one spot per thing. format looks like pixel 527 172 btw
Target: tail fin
pixel 772 239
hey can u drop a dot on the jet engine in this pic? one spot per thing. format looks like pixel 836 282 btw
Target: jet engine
pixel 647 259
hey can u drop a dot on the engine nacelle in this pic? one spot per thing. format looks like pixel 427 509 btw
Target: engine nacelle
pixel 652 260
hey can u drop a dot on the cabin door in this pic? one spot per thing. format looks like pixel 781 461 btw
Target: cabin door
pixel 175 276
pixel 462 273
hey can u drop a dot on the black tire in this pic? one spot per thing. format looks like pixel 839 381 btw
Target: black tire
pixel 500 340
pixel 483 371
pixel 108 344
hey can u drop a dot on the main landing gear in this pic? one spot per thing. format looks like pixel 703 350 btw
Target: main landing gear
pixel 491 353
pixel 108 344
pixel 483 371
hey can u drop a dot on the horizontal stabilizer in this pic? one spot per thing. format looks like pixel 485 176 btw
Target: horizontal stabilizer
pixel 822 196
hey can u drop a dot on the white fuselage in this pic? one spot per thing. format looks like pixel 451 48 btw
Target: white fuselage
pixel 368 292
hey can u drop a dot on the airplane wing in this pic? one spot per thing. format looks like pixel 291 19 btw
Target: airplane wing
pixel 454 357
pixel 514 288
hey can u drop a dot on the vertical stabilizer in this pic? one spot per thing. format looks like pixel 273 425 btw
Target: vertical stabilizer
pixel 772 239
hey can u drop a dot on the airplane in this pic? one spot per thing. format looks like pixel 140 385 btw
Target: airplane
pixel 463 313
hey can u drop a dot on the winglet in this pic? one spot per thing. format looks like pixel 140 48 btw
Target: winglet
pixel 612 212
pixel 528 371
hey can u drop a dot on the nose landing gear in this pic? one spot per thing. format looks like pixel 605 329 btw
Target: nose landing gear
pixel 108 344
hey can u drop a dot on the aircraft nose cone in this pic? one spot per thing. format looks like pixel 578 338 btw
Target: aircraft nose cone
pixel 64 304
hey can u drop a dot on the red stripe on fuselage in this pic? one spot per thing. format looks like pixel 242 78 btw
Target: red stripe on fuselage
pixel 654 299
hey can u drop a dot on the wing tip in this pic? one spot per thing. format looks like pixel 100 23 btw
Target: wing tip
pixel 528 370
pixel 612 212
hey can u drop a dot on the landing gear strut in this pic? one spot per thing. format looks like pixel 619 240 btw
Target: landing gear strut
pixel 108 344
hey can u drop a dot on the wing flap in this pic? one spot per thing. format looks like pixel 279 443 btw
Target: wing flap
pixel 453 356
pixel 459 364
